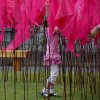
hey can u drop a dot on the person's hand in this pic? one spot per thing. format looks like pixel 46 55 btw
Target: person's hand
pixel 47 8
pixel 47 3
pixel 95 31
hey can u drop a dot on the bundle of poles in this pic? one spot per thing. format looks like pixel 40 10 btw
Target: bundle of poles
pixel 21 62
pixel 79 74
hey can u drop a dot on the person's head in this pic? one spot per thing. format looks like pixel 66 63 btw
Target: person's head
pixel 56 29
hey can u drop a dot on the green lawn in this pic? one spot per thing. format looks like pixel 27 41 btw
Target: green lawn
pixel 10 90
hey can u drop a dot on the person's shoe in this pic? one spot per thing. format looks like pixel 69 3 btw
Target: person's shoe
pixel 46 94
pixel 43 94
pixel 54 94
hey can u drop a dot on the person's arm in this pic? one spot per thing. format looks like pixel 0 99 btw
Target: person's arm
pixel 47 8
pixel 95 31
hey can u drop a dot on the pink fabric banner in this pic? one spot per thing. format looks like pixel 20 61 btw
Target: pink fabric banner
pixel 1 36
pixel 74 18
pixel 28 7
pixel 38 12
pixel 17 11
pixel 2 20
pixel 22 31
pixel 9 11
pixel 84 19
pixel 30 12
pixel 60 13
pixel 2 13
pixel 20 37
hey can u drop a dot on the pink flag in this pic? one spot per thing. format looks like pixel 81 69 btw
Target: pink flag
pixel 17 10
pixel 64 12
pixel 22 31
pixel 26 13
pixel 9 11
pixel 60 13
pixel 20 37
pixel 84 19
pixel 38 12
pixel 2 20
pixel 28 6
pixel 53 7
pixel 1 36
pixel 2 13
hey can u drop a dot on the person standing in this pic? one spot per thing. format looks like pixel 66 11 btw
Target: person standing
pixel 52 59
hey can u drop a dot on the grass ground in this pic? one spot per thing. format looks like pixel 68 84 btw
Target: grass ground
pixel 10 90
